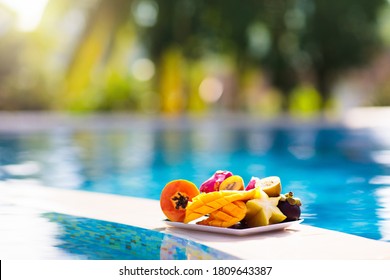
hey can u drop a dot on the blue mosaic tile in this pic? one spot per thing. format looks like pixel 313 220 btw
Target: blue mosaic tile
pixel 85 238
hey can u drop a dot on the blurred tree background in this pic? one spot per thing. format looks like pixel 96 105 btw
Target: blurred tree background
pixel 262 57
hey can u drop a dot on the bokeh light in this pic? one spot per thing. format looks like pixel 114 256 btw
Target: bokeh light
pixel 143 69
pixel 211 89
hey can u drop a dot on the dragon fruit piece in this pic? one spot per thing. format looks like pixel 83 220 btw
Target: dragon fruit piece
pixel 252 183
pixel 212 184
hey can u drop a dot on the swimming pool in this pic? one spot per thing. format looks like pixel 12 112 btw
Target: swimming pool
pixel 342 175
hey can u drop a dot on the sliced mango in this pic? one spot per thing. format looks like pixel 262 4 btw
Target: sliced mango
pixel 227 216
pixel 206 203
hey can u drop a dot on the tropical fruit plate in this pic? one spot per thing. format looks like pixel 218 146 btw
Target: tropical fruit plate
pixel 234 231
pixel 225 204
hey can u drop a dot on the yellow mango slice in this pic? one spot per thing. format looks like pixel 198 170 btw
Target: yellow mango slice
pixel 206 203
pixel 227 216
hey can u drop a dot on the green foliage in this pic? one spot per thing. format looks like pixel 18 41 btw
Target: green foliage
pixel 290 42
pixel 312 40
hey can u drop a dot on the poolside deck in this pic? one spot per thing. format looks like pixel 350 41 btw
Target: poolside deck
pixel 20 239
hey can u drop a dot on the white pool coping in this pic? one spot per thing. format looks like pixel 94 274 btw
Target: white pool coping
pixel 299 242
pixel 25 121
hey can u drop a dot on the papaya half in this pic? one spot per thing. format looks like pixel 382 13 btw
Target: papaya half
pixel 174 198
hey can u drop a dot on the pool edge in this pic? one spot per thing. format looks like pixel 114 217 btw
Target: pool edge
pixel 298 242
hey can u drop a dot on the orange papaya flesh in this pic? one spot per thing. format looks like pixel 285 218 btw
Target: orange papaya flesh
pixel 174 198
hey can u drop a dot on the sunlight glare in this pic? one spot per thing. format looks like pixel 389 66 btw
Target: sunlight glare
pixel 383 196
pixel 28 12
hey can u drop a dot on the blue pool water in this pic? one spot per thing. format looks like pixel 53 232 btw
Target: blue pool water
pixel 341 175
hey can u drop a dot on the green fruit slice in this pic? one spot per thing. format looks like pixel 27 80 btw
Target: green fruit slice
pixel 270 185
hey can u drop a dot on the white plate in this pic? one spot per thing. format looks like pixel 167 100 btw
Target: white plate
pixel 244 231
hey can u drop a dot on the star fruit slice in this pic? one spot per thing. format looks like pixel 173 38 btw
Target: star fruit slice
pixel 263 211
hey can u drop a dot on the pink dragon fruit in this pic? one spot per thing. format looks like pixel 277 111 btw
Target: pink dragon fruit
pixel 252 183
pixel 212 184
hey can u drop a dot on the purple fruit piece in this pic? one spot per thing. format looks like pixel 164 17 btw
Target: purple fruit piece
pixel 212 184
pixel 290 206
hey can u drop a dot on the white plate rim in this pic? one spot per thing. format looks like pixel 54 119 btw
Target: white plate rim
pixel 232 231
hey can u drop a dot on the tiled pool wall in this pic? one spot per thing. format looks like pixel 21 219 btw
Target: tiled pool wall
pixel 84 238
